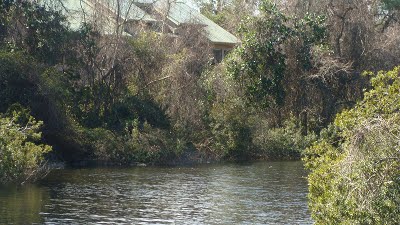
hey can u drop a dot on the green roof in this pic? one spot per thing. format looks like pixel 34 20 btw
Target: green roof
pixel 79 10
pixel 129 11
pixel 180 13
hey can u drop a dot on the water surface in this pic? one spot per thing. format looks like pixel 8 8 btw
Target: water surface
pixel 254 193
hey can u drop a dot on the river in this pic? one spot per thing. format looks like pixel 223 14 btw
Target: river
pixel 251 193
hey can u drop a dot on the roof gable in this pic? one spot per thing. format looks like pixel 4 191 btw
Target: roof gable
pixel 178 13
pixel 181 13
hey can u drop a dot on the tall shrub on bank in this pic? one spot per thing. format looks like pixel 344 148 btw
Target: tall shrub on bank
pixel 275 57
pixel 21 154
pixel 355 165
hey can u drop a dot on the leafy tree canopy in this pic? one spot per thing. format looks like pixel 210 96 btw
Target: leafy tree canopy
pixel 260 62
pixel 355 164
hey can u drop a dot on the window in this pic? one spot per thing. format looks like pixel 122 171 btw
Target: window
pixel 218 55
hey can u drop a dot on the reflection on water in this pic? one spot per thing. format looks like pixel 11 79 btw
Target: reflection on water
pixel 21 205
pixel 258 193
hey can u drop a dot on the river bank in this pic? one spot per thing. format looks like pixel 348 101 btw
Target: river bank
pixel 187 158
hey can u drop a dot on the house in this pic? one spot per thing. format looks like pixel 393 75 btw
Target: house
pixel 178 14
pixel 134 16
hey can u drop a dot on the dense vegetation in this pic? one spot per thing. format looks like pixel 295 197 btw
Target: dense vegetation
pixel 356 162
pixel 21 157
pixel 295 82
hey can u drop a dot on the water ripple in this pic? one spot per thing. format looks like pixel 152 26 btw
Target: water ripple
pixel 258 193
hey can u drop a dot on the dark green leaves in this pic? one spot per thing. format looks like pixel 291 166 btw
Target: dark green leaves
pixel 260 63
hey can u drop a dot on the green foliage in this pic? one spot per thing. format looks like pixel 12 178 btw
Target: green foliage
pixel 355 166
pixel 219 18
pixel 227 116
pixel 232 136
pixel 287 141
pixel 260 62
pixel 87 100
pixel 16 74
pixel 144 109
pixel 21 155
pixel 242 132
pixel 113 98
pixel 105 145
pixel 47 33
pixel 381 101
pixel 32 28
pixel 151 145
pixel 3 21
pixel 391 4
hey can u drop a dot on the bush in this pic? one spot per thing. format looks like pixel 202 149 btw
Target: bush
pixel 355 165
pixel 105 145
pixel 232 135
pixel 139 142
pixel 21 156
pixel 227 117
pixel 17 73
pixel 282 142
pixel 151 145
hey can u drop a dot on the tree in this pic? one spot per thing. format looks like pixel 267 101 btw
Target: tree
pixel 21 155
pixel 355 165
pixel 264 64
pixel 228 14
pixel 31 27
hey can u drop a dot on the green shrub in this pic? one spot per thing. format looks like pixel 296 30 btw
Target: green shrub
pixel 229 133
pixel 282 142
pixel 147 145
pixel 21 155
pixel 230 130
pixel 106 145
pixel 151 145
pixel 355 165
pixel 16 75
